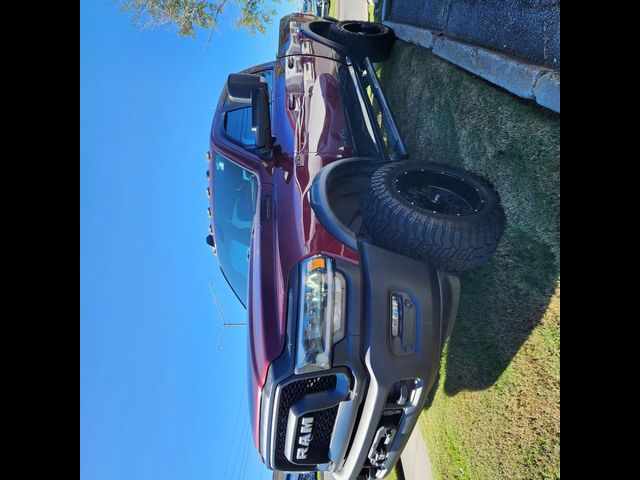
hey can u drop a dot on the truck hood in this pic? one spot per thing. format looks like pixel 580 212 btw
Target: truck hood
pixel 308 122
pixel 293 233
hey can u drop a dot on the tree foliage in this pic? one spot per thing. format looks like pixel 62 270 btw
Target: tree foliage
pixel 188 15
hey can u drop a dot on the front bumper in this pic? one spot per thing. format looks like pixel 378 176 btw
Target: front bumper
pixel 434 297
pixel 371 360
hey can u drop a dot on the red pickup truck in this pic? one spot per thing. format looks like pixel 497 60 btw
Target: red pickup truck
pixel 343 252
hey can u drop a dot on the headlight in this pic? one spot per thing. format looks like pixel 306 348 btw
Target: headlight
pixel 321 313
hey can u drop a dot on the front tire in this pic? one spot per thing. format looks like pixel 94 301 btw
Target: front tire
pixel 364 39
pixel 434 212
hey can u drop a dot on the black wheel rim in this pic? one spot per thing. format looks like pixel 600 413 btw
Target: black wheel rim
pixel 438 192
pixel 363 28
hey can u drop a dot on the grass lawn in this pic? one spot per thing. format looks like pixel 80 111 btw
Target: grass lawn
pixel 495 410
pixel 395 474
pixel 333 8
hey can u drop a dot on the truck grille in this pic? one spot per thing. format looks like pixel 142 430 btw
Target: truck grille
pixel 323 423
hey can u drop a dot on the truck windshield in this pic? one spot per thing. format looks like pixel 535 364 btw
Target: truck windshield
pixel 234 204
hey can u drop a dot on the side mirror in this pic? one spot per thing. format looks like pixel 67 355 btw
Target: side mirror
pixel 241 85
pixel 248 87
pixel 261 121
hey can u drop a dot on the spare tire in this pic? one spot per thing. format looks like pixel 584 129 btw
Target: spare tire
pixel 434 212
pixel 363 39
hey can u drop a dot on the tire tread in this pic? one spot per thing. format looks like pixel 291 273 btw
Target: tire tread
pixel 450 243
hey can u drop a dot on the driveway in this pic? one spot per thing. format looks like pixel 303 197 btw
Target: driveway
pixel 527 29
pixel 415 458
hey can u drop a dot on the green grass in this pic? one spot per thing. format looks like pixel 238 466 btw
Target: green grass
pixel 395 474
pixel 495 411
pixel 333 9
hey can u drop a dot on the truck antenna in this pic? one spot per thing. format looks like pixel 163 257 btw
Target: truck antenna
pixel 223 318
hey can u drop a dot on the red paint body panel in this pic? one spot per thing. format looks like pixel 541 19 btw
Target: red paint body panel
pixel 293 42
pixel 308 122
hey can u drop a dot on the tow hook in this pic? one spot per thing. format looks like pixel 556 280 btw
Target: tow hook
pixel 380 446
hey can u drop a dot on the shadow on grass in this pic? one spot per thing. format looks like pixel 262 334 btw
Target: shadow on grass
pixel 400 470
pixel 449 115
pixel 500 305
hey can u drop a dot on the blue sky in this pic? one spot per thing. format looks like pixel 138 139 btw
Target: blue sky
pixel 156 399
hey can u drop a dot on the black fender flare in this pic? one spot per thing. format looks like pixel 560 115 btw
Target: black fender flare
pixel 319 195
